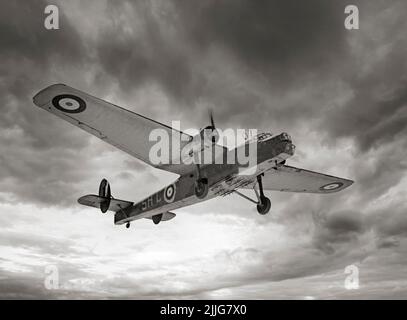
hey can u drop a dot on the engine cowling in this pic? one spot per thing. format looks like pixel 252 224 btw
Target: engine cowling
pixel 105 192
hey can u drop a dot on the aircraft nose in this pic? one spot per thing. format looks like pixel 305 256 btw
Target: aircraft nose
pixel 290 149
pixel 286 136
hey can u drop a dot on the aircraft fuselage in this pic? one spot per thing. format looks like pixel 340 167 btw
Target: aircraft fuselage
pixel 222 179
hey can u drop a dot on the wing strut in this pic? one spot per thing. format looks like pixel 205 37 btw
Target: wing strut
pixel 246 197
pixel 263 203
pixel 258 196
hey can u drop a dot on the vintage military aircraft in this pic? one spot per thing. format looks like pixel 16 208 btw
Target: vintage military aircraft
pixel 130 131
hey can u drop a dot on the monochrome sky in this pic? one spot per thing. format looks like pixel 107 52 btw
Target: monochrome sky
pixel 271 65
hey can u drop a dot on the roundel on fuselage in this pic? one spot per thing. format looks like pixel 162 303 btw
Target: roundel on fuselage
pixel 169 193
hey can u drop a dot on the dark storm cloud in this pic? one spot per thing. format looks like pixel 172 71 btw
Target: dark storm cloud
pixel 29 54
pixel 281 43
pixel 33 148
pixel 146 55
pixel 377 112
pixel 378 171
pixel 24 36
pixel 390 224
pixel 286 37
pixel 260 64
pixel 337 228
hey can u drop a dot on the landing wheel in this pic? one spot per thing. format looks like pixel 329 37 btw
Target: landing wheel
pixel 264 206
pixel 128 225
pixel 201 188
pixel 105 193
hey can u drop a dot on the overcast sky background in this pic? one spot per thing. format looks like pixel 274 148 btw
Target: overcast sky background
pixel 271 65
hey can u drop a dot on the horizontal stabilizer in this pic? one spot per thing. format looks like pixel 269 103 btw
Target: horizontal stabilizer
pixel 92 200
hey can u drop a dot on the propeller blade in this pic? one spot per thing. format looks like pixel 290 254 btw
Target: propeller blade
pixel 212 121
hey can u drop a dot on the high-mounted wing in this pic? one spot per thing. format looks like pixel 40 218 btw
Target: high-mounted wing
pixel 119 127
pixel 292 179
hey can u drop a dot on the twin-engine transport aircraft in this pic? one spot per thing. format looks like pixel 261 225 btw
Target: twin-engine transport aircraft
pixel 130 132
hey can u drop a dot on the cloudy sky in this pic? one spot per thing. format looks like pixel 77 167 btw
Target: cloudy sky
pixel 271 65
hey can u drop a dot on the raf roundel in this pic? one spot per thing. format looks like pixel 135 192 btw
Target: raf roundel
pixel 169 193
pixel 331 186
pixel 69 103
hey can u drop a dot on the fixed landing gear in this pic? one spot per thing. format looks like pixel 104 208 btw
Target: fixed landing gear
pixel 264 206
pixel 201 188
pixel 128 225
pixel 263 203
pixel 201 185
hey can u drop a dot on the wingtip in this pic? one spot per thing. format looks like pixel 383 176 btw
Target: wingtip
pixel 346 184
pixel 38 97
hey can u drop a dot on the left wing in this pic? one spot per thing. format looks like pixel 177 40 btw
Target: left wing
pixel 292 179
pixel 124 129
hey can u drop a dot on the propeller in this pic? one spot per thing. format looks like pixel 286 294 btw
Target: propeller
pixel 211 117
pixel 215 134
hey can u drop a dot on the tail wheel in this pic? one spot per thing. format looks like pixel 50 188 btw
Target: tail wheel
pixel 264 206
pixel 201 188
pixel 104 192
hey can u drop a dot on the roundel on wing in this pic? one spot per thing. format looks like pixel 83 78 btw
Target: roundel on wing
pixel 69 103
pixel 331 186
pixel 169 193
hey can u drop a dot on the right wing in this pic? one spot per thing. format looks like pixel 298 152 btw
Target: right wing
pixel 292 179
pixel 119 127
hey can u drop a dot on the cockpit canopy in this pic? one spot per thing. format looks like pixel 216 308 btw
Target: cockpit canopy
pixel 264 136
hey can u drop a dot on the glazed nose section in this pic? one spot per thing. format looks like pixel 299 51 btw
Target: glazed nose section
pixel 286 137
pixel 290 149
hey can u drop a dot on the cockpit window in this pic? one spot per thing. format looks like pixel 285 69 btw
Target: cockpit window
pixel 263 136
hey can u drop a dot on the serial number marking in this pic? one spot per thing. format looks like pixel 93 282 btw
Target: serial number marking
pixel 211 310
